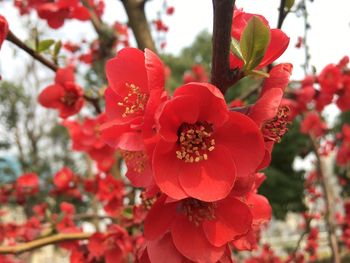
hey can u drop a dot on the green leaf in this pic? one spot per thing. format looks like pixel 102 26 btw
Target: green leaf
pixel 57 48
pixel 45 45
pixel 289 4
pixel 254 42
pixel 259 73
pixel 236 49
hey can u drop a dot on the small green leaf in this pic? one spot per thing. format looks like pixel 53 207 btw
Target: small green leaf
pixel 236 49
pixel 45 45
pixel 289 4
pixel 258 73
pixel 57 48
pixel 254 42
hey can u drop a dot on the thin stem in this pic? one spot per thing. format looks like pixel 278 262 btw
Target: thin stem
pixel 29 246
pixel 221 74
pixel 329 202
pixel 15 40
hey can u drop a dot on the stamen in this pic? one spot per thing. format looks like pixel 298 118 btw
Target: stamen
pixel 274 129
pixel 195 141
pixel 134 102
pixel 196 211
pixel 137 161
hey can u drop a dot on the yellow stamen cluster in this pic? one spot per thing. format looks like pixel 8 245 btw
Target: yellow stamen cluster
pixel 134 102
pixel 137 160
pixel 195 142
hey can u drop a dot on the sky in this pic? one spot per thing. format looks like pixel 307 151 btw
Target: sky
pixel 329 37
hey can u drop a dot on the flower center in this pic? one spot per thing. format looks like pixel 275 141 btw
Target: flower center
pixel 274 129
pixel 137 160
pixel 196 211
pixel 195 141
pixel 134 102
pixel 69 98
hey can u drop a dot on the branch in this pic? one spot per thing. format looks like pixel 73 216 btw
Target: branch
pixel 15 40
pixel 221 74
pixel 282 14
pixel 306 231
pixel 329 203
pixel 19 43
pixel 135 10
pixel 38 243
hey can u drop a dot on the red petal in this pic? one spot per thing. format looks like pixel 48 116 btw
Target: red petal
pixel 243 138
pixel 166 167
pixel 127 67
pixel 209 180
pixel 191 242
pixel 64 75
pixel 233 218
pixel 51 95
pixel 212 105
pixel 155 70
pixel 81 13
pixel 278 44
pixel 121 136
pixel 159 219
pixel 266 107
pixel 279 77
pixel 260 208
pixel 181 109
pixel 163 250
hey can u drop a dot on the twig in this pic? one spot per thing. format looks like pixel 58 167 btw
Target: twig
pixel 135 10
pixel 21 248
pixel 282 14
pixel 15 40
pixel 221 74
pixel 19 43
pixel 306 231
pixel 329 202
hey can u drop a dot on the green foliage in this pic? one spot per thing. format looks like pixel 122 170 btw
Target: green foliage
pixel 254 42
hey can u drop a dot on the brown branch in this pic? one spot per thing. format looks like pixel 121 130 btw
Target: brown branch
pixel 19 43
pixel 15 40
pixel 38 243
pixel 135 10
pixel 329 202
pixel 221 74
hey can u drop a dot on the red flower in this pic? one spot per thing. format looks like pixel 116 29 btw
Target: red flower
pixel 111 192
pixel 278 41
pixel 63 178
pixel 4 29
pixel 86 137
pixel 330 79
pixel 199 230
pixel 114 246
pixel 313 124
pixel 65 95
pixel 136 81
pixel 202 144
pixel 27 184
pixel 170 10
pixel 268 113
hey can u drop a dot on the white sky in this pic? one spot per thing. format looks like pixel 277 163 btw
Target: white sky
pixel 329 37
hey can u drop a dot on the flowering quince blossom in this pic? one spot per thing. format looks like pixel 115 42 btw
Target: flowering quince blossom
pixel 64 95
pixel 86 137
pixel 313 124
pixel 27 184
pixel 203 147
pixel 279 41
pixel 268 113
pixel 343 154
pixel 200 231
pixel 4 29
